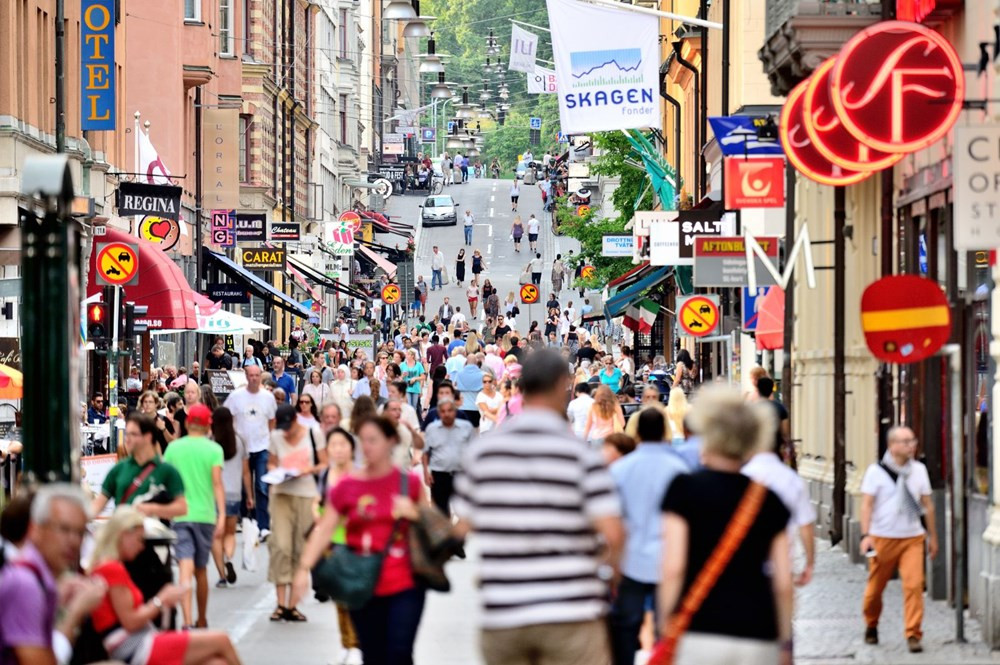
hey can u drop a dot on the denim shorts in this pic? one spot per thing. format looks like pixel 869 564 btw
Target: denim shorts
pixel 194 541
pixel 233 508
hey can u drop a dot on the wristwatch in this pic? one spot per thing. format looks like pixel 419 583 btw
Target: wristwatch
pixel 157 603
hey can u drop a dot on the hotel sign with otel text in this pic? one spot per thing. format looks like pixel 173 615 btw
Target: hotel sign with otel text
pixel 97 65
pixel 894 88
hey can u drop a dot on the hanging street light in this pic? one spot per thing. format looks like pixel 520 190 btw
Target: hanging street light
pixel 418 27
pixel 441 90
pixel 431 61
pixel 399 10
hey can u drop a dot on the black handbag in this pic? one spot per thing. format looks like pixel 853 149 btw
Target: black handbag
pixel 349 577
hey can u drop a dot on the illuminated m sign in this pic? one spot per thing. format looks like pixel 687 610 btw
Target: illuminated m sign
pixel 781 278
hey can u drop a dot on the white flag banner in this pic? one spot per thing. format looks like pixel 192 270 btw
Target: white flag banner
pixel 152 168
pixel 607 65
pixel 542 81
pixel 523 47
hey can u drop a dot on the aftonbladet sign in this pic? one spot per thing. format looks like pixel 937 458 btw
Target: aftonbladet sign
pixel 894 88
pixel 722 261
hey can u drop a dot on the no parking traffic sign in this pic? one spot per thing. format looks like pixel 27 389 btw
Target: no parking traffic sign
pixel 698 316
pixel 117 264
pixel 529 294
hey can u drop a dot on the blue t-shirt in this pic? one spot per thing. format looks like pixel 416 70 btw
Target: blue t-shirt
pixel 614 381
pixel 286 383
pixel 411 372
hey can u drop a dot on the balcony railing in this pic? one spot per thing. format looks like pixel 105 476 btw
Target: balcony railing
pixel 780 12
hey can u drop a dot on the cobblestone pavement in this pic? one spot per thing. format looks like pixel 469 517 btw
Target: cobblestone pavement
pixel 829 627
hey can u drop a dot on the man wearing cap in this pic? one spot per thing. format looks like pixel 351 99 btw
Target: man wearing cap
pixel 199 461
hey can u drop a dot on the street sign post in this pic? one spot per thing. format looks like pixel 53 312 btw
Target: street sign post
pixel 391 294
pixel 536 123
pixel 529 294
pixel 698 316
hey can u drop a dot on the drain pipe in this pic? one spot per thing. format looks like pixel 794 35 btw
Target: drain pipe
pixel 677 128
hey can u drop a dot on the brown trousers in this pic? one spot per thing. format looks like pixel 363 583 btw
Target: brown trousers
pixel 348 638
pixel 908 555
pixel 583 643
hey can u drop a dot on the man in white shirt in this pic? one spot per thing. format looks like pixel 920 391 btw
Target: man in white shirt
pixel 454 364
pixel 458 319
pixel 253 412
pixel 344 329
pixel 468 222
pixel 897 517
pixel 437 266
pixel 535 267
pixel 534 226
pixel 579 407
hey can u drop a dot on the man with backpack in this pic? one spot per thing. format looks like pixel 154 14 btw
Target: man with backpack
pixel 897 518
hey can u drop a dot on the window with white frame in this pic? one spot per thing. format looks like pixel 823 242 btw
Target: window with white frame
pixel 226 27
pixel 192 10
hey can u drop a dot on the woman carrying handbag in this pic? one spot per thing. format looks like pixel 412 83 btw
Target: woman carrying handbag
pixel 725 545
pixel 377 520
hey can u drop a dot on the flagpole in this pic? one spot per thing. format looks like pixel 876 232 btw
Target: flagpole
pixel 530 25
pixel 711 25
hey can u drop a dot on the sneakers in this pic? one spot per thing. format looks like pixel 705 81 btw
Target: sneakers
pixel 222 584
pixel 230 573
pixel 351 657
pixel 264 533
pixel 913 644
pixel 871 635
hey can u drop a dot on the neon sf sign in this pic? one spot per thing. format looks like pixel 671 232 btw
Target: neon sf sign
pixel 850 119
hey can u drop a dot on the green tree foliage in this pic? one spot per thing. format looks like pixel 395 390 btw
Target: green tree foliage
pixel 461 31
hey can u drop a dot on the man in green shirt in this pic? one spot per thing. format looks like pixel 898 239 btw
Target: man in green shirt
pixel 151 485
pixel 199 461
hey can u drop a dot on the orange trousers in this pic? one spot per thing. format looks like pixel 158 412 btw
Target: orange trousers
pixel 908 555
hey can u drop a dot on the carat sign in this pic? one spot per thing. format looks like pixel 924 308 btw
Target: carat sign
pixel 755 183
pixel 895 87
pixel 607 65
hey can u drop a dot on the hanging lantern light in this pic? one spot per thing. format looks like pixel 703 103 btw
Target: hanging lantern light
pixel 441 89
pixel 431 62
pixel 399 10
pixel 418 27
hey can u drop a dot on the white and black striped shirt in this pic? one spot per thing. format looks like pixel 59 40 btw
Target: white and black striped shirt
pixel 531 491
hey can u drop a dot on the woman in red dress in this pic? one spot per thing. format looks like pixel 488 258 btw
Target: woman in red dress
pixel 124 621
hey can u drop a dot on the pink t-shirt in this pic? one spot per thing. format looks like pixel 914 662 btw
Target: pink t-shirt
pixel 367 503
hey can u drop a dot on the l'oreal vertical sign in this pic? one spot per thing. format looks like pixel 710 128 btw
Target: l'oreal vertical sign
pixel 97 60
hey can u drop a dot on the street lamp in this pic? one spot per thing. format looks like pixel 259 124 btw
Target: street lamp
pixel 399 10
pixel 418 26
pixel 432 63
pixel 441 89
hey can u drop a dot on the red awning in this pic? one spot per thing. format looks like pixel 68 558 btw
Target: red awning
pixel 621 278
pixel 162 286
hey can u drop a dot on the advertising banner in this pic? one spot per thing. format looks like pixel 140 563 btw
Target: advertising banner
pixel 523 48
pixel 286 231
pixel 97 65
pixel 976 161
pixel 134 198
pixel 542 81
pixel 263 258
pixel 221 158
pixel 722 261
pixel 223 228
pixel 607 64
pixel 617 244
pixel 755 183
pixel 251 227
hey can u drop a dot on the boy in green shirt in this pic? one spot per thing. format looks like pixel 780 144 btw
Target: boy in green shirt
pixel 199 461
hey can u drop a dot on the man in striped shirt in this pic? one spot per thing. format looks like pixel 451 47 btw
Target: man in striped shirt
pixel 548 527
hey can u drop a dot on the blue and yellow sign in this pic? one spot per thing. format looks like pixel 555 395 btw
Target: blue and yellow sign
pixel 97 59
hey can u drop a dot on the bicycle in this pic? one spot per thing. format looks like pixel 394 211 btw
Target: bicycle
pixel 437 184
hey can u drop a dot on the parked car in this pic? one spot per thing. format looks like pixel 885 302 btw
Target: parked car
pixel 439 210
pixel 522 168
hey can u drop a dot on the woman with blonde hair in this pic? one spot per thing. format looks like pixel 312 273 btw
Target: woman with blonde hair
pixel 605 416
pixel 472 344
pixel 677 407
pixel 720 509
pixel 505 344
pixel 126 622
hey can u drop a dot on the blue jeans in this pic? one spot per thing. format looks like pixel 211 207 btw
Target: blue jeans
pixel 436 280
pixel 468 235
pixel 627 613
pixel 387 627
pixel 414 400
pixel 258 467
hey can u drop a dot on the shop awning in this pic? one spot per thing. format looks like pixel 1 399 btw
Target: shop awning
pixel 322 280
pixel 630 277
pixel 162 286
pixel 388 267
pixel 261 288
pixel 617 304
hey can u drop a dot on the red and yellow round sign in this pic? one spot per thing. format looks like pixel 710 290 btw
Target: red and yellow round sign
pixel 351 219
pixel 529 294
pixel 588 272
pixel 391 294
pixel 905 318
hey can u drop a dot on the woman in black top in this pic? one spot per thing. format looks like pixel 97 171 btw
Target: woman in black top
pixel 697 511
pixel 460 267
pixel 552 322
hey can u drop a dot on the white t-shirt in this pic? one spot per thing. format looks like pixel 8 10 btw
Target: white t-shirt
pixel 577 412
pixel 251 414
pixel 536 265
pixel 485 425
pixel 469 220
pixel 889 519
pixel 768 470
pixel 533 225
pixel 458 319
pixel 515 190
pixel 437 261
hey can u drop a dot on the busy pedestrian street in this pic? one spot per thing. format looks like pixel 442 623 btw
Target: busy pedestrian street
pixel 499 332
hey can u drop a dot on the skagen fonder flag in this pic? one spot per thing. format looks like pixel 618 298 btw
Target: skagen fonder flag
pixel 607 65
pixel 523 47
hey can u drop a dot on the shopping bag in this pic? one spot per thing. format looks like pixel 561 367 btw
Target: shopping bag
pixel 251 541
pixel 525 278
pixel 444 276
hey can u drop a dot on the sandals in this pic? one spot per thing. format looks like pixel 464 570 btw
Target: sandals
pixel 292 614
pixel 278 614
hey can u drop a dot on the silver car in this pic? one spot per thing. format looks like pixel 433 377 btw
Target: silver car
pixel 439 210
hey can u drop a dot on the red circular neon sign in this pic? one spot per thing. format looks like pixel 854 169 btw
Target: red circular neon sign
pixel 897 86
pixel 827 133
pixel 800 150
